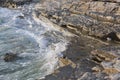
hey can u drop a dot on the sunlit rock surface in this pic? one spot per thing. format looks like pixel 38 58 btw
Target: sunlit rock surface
pixel 97 20
pixel 93 18
pixel 93 52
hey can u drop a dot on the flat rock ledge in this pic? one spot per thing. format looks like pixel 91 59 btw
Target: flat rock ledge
pixel 95 18
pixel 94 54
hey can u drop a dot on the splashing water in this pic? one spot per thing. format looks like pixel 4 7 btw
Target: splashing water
pixel 37 44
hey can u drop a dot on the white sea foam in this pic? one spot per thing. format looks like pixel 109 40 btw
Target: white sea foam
pixel 37 43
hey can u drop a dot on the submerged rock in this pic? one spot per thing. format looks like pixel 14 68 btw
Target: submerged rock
pixel 8 57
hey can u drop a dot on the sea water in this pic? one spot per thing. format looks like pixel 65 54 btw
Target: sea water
pixel 37 44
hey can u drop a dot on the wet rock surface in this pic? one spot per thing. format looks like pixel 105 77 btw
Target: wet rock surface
pixel 79 61
pixel 95 51
pixel 96 56
pixel 9 57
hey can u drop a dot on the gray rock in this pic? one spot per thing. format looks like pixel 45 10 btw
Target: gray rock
pixel 99 19
pixel 13 3
pixel 109 60
pixel 115 76
pixel 91 76
pixel 64 73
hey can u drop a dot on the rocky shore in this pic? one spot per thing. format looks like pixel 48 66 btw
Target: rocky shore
pixel 94 53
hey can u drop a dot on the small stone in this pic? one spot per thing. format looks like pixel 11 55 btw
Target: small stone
pixel 97 69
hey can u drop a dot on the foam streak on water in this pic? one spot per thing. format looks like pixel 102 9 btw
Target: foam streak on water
pixel 37 44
